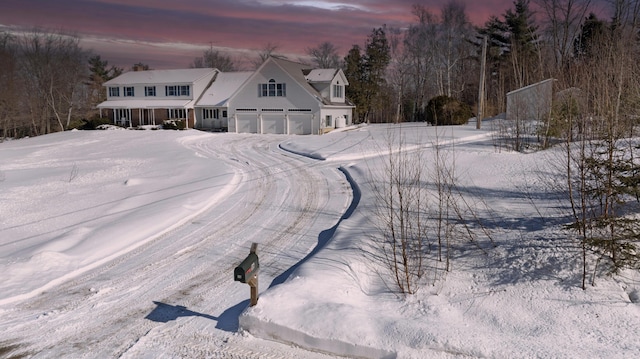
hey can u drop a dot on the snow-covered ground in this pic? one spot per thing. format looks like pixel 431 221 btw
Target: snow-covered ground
pixel 123 244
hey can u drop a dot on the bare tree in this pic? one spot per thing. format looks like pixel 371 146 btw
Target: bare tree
pixel 268 50
pixel 214 59
pixel 325 55
pixel 563 21
pixel 54 70
pixel 399 214
pixel 453 47
pixel 10 114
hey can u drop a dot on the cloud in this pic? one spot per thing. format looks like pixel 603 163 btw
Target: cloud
pixel 293 26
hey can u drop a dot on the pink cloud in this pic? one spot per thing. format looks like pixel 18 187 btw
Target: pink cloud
pixel 233 24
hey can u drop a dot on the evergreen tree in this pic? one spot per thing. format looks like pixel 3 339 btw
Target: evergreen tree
pixel 354 71
pixel 366 73
pixel 593 32
pixel 523 37
pixel 377 58
pixel 99 73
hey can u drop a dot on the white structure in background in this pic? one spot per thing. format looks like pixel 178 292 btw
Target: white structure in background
pixel 530 103
pixel 150 97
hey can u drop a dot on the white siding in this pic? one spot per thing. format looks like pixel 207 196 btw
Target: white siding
pixel 296 96
pixel 532 102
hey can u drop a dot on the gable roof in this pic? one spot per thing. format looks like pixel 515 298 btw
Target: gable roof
pixel 151 77
pixel 224 85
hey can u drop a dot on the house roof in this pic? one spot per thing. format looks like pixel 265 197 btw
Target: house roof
pixel 144 103
pixel 224 85
pixel 321 75
pixel 151 77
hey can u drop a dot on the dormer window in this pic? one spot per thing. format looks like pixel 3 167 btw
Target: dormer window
pixel 272 89
pixel 338 91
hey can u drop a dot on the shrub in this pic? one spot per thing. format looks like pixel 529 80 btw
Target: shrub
pixel 445 111
pixel 174 125
pixel 92 124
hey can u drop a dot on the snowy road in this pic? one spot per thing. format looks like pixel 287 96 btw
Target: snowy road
pixel 174 296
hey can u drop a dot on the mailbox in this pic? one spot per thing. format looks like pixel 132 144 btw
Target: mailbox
pixel 247 269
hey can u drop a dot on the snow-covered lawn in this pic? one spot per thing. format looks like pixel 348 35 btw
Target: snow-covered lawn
pixel 123 243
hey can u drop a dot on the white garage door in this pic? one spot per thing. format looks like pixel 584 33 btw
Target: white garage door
pixel 300 124
pixel 274 124
pixel 247 123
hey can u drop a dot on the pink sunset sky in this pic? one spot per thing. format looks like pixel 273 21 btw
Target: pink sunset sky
pixel 171 33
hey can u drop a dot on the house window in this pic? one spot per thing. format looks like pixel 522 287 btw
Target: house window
pixel 176 113
pixel 114 91
pixel 224 114
pixel 129 91
pixel 182 90
pixel 338 91
pixel 327 121
pixel 211 113
pixel 272 89
pixel 149 91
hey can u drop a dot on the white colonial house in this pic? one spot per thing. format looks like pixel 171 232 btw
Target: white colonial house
pixel 286 97
pixel 280 97
pixel 150 97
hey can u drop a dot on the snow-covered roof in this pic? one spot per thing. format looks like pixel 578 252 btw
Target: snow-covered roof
pixel 160 77
pixel 224 85
pixel 321 75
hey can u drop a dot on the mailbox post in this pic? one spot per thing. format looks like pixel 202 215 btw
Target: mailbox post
pixel 247 272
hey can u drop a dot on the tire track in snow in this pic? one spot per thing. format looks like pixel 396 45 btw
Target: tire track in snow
pixel 103 312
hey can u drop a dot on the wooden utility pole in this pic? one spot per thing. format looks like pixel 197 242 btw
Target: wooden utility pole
pixel 483 64
pixel 253 282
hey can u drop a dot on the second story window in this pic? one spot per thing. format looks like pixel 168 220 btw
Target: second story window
pixel 129 91
pixel 182 90
pixel 338 91
pixel 149 91
pixel 272 89
pixel 114 91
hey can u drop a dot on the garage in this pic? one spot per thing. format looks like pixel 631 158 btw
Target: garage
pixel 274 124
pixel 247 123
pixel 300 124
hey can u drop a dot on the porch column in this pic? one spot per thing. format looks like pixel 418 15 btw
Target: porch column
pixel 235 119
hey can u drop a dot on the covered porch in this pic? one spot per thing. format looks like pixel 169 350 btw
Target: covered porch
pixel 134 113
